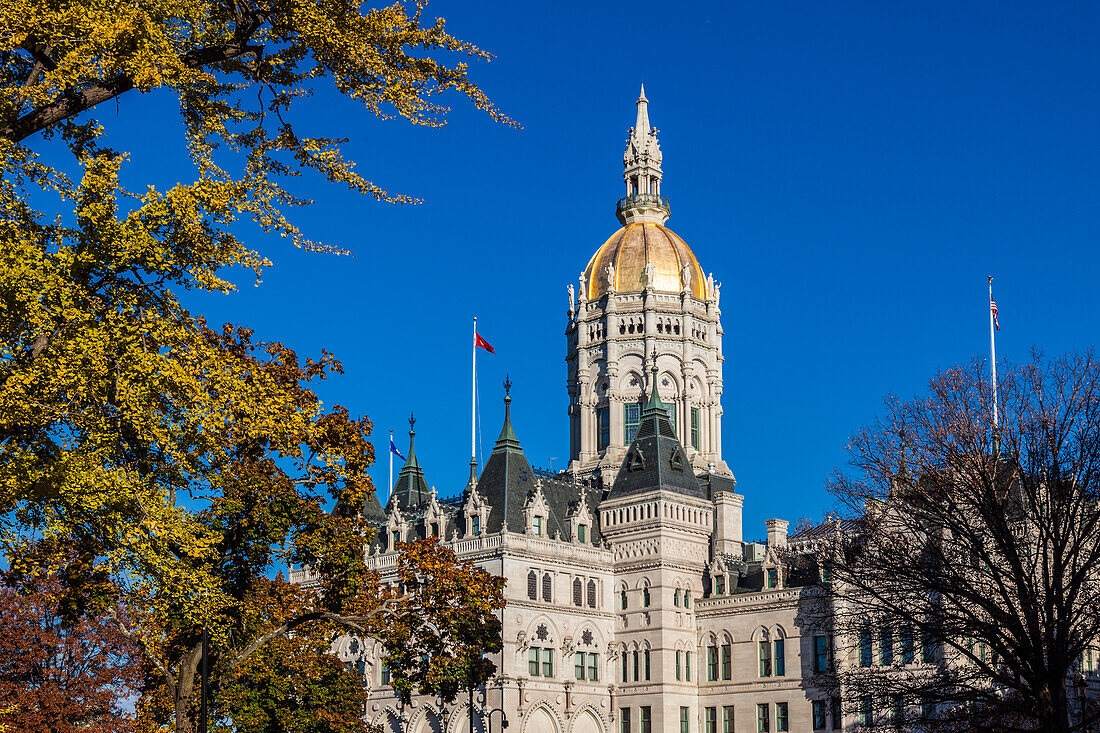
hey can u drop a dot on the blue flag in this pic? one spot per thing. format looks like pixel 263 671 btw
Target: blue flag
pixel 393 449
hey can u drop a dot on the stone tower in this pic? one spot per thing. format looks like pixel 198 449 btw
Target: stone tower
pixel 643 303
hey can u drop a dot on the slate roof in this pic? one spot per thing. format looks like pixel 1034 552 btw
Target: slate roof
pixel 506 482
pixel 411 488
pixel 655 459
pixel 508 479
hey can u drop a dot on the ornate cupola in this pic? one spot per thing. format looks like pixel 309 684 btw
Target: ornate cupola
pixel 642 172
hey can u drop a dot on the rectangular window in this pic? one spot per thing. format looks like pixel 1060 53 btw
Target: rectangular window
pixel 533 661
pixel 886 646
pixel 720 585
pixel 927 648
pixel 865 651
pixel 581 532
pixel 625 666
pixel 670 410
pixel 710 719
pixel 780 660
pixel 838 719
pixel 781 722
pixel 866 712
pixel 632 418
pixel 685 723
pixel 727 661
pixel 578 665
pixel 396 539
pixel 603 427
pixel 622 600
pixel 547 662
pixel 645 654
pixel 763 721
pixel 645 719
pixel 927 710
pixel 765 659
pixel 538 526
pixel 821 654
pixel 712 663
pixel 773 578
pixel 897 710
pixel 727 719
pixel 593 667
pixel 477 523
pixel 908 649
pixel 818 711
pixel 624 720
pixel 687 598
pixel 679 655
pixel 385 674
pixel 676 598
pixel 695 428
pixel 635 656
pixel 687 666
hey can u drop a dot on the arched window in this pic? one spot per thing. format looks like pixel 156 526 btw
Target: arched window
pixel 591 594
pixel 622 599
pixel 532 586
pixel 546 587
pixel 645 596
pixel 577 600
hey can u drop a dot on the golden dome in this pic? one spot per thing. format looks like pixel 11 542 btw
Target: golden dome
pixel 636 244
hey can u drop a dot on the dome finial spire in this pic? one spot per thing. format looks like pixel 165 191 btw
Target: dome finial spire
pixel 642 171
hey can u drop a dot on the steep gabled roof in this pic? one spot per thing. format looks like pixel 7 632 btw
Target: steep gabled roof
pixel 508 480
pixel 655 460
pixel 411 488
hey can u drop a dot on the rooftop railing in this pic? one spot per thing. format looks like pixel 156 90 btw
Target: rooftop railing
pixel 644 199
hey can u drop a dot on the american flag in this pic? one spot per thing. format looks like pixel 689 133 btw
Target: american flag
pixel 993 310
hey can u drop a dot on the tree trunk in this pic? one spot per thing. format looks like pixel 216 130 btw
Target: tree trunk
pixel 185 689
pixel 1056 716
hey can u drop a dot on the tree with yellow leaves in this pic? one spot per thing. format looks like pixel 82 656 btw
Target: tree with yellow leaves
pixel 162 464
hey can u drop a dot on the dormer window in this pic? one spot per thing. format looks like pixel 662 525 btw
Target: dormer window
pixel 772 578
pixel 537 525
pixel 475 524
pixel 395 539
pixel 582 531
pixel 435 529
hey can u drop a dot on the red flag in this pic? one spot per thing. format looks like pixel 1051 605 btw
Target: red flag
pixel 993 310
pixel 478 341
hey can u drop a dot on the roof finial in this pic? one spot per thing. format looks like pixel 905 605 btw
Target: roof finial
pixel 412 431
pixel 507 388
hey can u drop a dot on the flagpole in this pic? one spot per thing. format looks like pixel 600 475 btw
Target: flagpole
pixel 473 396
pixel 993 355
pixel 389 449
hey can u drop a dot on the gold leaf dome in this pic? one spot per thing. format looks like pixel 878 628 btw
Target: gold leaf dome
pixel 630 249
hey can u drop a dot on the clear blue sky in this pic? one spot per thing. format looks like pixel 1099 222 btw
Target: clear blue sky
pixel 850 172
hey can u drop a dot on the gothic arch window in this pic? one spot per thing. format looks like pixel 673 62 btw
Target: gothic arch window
pixel 577 599
pixel 546 586
pixel 591 594
pixel 532 586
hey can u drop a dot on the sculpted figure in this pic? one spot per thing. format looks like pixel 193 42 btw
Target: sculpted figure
pixel 685 277
pixel 717 293
pixel 582 280
pixel 569 287
pixel 649 272
pixel 710 282
pixel 610 276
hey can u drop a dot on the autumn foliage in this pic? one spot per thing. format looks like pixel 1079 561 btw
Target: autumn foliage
pixel 161 464
pixel 59 674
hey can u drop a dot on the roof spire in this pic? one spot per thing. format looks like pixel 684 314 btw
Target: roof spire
pixel 642 172
pixel 507 437
pixel 641 126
